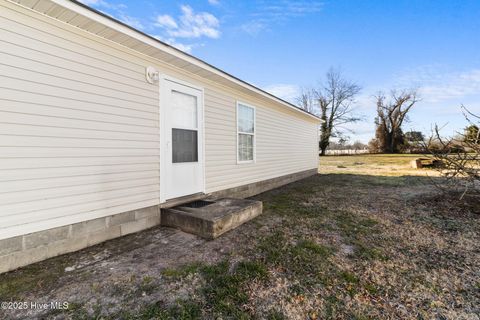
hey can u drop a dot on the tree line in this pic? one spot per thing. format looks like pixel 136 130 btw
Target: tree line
pixel 333 100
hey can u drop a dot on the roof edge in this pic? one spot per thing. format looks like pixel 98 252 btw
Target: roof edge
pixel 120 26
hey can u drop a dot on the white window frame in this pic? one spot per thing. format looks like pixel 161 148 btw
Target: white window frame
pixel 248 133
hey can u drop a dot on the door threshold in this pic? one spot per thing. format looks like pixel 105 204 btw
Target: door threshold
pixel 181 200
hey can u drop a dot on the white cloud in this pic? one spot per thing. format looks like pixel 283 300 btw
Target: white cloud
pixel 280 12
pixel 253 27
pixel 131 21
pixel 105 4
pixel 287 9
pixel 365 101
pixel 453 86
pixel 190 24
pixel 214 2
pixel 181 46
pixel 90 2
pixel 288 92
pixel 166 21
pixel 436 83
pixel 117 11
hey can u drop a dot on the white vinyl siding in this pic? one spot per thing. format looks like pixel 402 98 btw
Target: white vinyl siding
pixel 285 142
pixel 79 127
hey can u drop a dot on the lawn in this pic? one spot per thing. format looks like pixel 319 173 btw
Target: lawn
pixel 367 238
pixel 374 164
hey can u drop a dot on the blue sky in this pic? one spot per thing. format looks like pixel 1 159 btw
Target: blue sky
pixel 281 46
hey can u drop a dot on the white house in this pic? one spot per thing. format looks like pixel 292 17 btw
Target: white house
pixel 102 125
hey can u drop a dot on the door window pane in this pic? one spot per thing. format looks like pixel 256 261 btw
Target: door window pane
pixel 184 110
pixel 184 146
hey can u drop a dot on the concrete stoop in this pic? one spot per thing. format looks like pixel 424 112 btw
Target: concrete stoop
pixel 211 218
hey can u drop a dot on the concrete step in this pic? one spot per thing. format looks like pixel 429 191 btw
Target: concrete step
pixel 211 218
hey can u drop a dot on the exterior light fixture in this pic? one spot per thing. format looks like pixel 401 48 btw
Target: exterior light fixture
pixel 151 74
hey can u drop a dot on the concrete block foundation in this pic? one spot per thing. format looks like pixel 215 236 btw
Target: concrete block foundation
pixel 255 188
pixel 23 250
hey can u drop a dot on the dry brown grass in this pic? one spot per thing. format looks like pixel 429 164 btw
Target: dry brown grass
pixel 361 241
pixel 374 164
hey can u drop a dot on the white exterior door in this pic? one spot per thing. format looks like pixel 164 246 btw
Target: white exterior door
pixel 181 140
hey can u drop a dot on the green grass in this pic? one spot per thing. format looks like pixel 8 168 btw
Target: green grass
pixel 183 271
pixel 276 315
pixel 308 246
pixel 224 290
pixel 360 232
pixel 14 285
pixel 353 226
pixel 306 261
pixel 349 277
pixel 181 310
pixel 147 285
pixel 332 304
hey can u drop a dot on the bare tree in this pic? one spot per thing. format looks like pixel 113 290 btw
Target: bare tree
pixel 391 114
pixel 332 101
pixel 460 159
pixel 307 100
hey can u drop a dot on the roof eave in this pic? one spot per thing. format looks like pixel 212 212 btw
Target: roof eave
pixel 119 26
